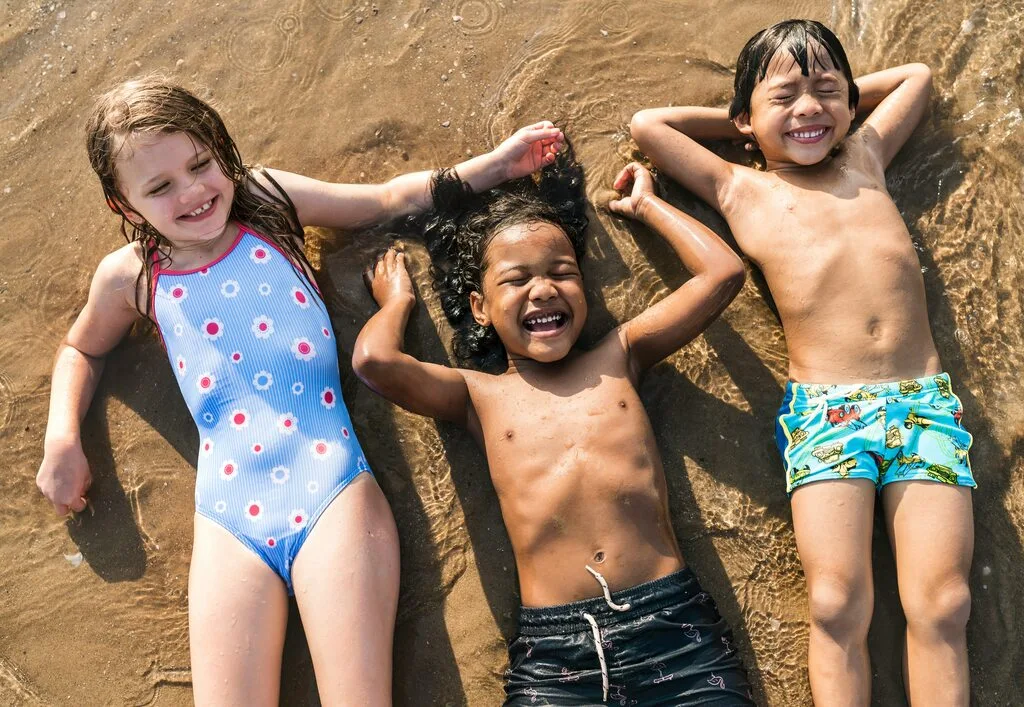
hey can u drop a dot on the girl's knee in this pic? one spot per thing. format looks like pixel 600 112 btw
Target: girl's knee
pixel 841 608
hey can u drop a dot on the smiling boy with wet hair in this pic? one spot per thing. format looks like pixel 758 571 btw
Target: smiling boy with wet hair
pixel 812 46
pixel 867 404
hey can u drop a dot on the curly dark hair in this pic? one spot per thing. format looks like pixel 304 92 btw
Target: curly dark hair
pixel 461 225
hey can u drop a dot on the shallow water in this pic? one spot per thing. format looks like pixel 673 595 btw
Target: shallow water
pixel 360 92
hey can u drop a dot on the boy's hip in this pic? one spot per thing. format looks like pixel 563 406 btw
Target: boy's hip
pixel 896 431
pixel 670 646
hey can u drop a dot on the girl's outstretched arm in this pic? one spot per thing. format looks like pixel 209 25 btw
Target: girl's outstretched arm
pixel 894 100
pixel 717 274
pixel 64 476
pixel 423 388
pixel 355 205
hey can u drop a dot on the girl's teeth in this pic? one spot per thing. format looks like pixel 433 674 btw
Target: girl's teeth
pixel 202 209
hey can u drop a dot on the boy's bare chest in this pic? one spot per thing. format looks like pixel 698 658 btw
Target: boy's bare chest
pixel 547 427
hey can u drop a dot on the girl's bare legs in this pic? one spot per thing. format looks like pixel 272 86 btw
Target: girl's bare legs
pixel 237 613
pixel 346 585
pixel 931 526
pixel 832 521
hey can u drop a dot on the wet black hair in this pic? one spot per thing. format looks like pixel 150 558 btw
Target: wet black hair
pixel 796 37
pixel 461 224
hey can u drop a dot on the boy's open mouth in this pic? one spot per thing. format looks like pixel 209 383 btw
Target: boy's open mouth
pixel 808 136
pixel 201 211
pixel 545 322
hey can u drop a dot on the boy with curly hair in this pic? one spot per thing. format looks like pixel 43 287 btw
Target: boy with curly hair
pixel 610 610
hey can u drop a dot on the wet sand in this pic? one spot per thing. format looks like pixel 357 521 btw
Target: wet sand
pixel 94 610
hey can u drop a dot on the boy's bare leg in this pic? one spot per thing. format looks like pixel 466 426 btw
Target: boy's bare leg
pixel 832 521
pixel 346 586
pixel 931 526
pixel 237 614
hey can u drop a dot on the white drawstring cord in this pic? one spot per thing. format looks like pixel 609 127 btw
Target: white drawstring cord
pixel 600 653
pixel 607 593
pixel 597 632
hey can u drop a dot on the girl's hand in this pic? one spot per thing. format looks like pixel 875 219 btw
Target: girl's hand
pixel 388 280
pixel 528 149
pixel 64 477
pixel 636 178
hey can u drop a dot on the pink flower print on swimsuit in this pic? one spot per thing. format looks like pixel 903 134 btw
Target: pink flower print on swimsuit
pixel 247 335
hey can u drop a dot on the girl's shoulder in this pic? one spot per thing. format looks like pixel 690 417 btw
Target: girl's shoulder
pixel 121 274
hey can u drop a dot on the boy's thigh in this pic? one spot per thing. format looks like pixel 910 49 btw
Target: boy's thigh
pixel 931 526
pixel 238 612
pixel 832 521
pixel 346 585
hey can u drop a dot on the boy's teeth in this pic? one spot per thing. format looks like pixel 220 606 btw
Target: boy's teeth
pixel 202 208
pixel 809 133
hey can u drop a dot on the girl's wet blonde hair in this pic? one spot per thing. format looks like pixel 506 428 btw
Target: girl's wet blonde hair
pixel 155 105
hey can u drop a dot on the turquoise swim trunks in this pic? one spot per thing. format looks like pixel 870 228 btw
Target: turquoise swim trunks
pixel 900 431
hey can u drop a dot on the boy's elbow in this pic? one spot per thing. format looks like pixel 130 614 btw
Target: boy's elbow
pixel 641 123
pixel 923 72
pixel 367 364
pixel 731 279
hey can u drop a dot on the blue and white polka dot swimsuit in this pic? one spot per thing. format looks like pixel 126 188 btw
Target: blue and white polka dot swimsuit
pixel 254 353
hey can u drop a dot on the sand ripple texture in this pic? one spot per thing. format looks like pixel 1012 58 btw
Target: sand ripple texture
pixel 94 609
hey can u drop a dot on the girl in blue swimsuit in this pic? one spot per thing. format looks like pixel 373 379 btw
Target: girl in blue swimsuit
pixel 214 258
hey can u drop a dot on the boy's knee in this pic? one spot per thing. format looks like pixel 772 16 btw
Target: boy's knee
pixel 942 609
pixel 842 609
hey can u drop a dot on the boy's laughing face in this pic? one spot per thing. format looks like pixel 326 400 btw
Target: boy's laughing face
pixel 798 120
pixel 532 292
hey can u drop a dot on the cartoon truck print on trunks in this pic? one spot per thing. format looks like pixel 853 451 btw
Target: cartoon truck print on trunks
pixel 893 437
pixel 914 419
pixel 941 473
pixel 798 435
pixel 860 395
pixel 942 385
pixel 910 387
pixel 905 463
pixel 844 416
pixel 844 468
pixel 799 473
pixel 828 453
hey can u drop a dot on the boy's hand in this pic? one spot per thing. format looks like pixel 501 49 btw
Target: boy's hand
pixel 388 280
pixel 528 150
pixel 64 477
pixel 638 180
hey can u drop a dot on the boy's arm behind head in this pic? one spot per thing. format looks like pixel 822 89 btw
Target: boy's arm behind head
pixel 718 275
pixel 423 388
pixel 894 100
pixel 668 136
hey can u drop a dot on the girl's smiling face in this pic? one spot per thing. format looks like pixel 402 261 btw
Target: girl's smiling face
pixel 798 120
pixel 532 292
pixel 174 183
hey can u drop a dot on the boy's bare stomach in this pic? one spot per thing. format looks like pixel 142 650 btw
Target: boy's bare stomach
pixel 857 319
pixel 626 536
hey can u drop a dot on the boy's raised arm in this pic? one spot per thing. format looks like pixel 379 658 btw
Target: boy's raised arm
pixel 423 388
pixel 717 274
pixel 669 137
pixel 894 100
